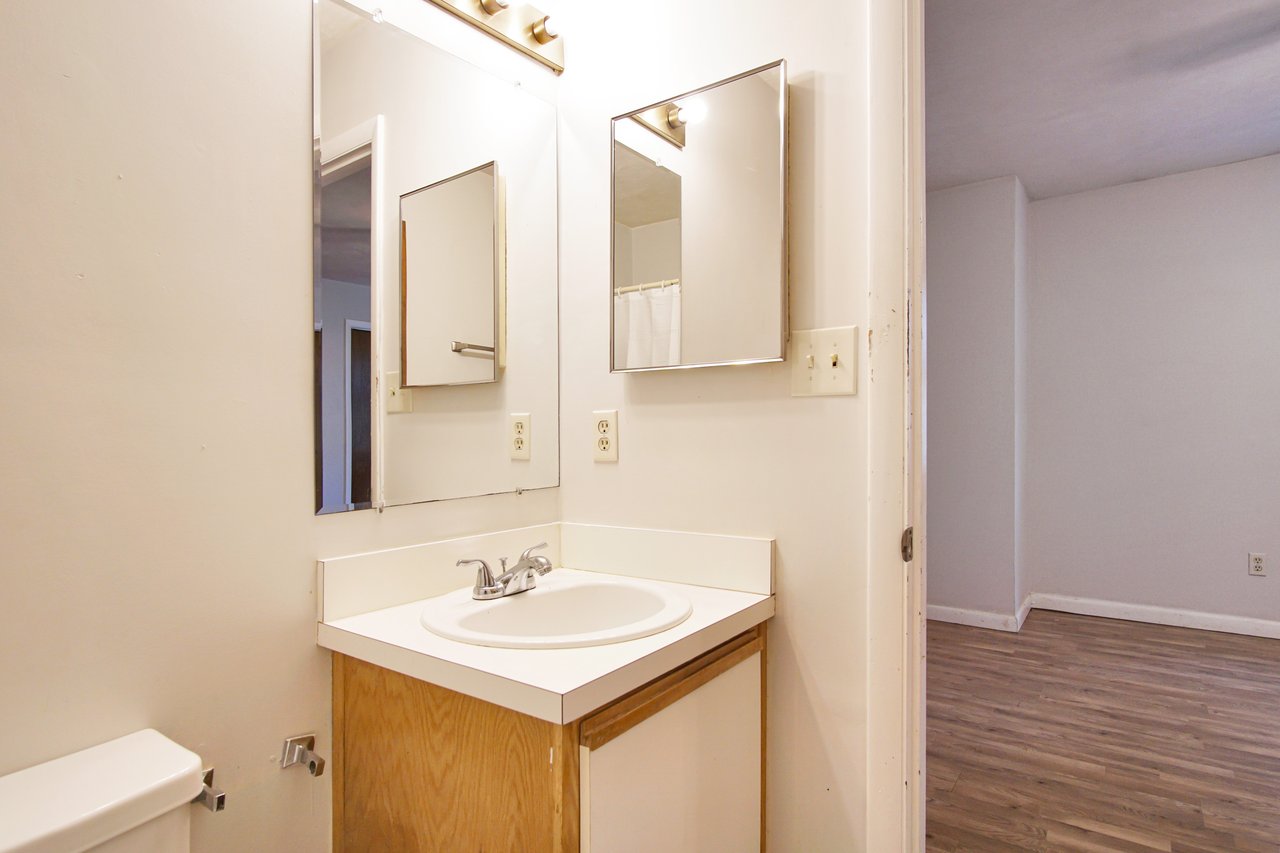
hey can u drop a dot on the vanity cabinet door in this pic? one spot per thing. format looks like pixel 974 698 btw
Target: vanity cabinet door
pixel 421 769
pixel 678 765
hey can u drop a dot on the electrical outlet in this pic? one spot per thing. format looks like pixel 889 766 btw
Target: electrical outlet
pixel 604 435
pixel 1258 565
pixel 520 436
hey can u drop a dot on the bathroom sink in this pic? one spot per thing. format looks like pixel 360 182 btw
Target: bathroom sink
pixel 567 610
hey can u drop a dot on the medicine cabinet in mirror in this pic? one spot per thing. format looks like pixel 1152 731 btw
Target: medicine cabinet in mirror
pixel 435 271
pixel 699 227
pixel 449 268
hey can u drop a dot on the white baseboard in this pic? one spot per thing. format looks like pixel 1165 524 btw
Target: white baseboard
pixel 1024 611
pixel 1154 615
pixel 976 618
pixel 1110 610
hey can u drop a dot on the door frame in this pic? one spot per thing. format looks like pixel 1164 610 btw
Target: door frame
pixel 334 158
pixel 894 632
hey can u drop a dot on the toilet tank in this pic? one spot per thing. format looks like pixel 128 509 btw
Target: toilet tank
pixel 130 794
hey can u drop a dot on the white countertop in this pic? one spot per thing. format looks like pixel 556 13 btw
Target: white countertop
pixel 557 685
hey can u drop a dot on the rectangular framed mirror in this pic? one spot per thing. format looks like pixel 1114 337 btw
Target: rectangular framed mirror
pixel 450 278
pixel 436 270
pixel 699 236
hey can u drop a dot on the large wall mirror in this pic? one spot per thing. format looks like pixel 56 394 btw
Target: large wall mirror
pixel 699 227
pixel 435 273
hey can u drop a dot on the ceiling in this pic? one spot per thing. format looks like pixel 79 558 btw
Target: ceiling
pixel 643 192
pixel 335 22
pixel 1071 95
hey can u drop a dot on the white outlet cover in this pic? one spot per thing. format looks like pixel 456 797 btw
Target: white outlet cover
pixel 824 362
pixel 604 435
pixel 520 435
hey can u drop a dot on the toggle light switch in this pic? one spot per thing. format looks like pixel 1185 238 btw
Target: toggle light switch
pixel 834 372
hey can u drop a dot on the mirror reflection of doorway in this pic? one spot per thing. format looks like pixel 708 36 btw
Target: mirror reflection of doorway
pixel 343 317
pixel 359 448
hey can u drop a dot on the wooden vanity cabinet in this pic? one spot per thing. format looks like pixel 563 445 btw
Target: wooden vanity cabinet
pixel 421 768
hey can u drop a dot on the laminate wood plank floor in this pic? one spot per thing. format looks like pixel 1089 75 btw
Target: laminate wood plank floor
pixel 1088 734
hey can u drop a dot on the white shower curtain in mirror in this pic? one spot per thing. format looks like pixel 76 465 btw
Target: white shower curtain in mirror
pixel 647 328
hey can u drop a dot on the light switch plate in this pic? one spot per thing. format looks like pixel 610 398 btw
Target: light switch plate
pixel 824 362
pixel 604 435
pixel 399 400
pixel 520 435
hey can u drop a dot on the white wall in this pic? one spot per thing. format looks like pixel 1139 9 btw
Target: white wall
pixel 654 251
pixel 156 565
pixel 727 449
pixel 1154 391
pixel 977 315
pixel 157 561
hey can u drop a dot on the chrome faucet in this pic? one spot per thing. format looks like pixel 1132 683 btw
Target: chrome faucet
pixel 521 577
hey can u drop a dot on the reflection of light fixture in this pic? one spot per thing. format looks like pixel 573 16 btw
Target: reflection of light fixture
pixel 667 120
pixel 689 112
pixel 545 32
pixel 493 7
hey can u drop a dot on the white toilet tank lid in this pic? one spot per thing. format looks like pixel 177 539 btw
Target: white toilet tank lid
pixel 88 797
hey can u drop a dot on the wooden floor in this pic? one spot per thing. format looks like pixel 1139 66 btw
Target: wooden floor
pixel 1094 734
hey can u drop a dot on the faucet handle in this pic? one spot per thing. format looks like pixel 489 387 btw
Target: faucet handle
pixel 540 563
pixel 528 552
pixel 485 584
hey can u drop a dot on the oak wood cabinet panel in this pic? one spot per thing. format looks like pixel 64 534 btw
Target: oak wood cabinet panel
pixel 421 768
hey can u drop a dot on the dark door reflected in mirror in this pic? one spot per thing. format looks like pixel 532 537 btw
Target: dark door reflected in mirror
pixel 344 366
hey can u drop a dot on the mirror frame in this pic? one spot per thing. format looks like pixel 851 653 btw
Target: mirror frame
pixel 784 284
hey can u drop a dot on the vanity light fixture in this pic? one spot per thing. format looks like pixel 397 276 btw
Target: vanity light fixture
pixel 544 31
pixel 667 120
pixel 518 25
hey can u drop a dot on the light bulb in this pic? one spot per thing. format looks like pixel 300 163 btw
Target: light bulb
pixel 544 31
pixel 493 7
pixel 691 111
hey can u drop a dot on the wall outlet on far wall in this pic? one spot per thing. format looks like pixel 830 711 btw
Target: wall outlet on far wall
pixel 1258 565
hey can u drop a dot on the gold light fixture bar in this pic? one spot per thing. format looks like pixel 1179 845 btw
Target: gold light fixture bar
pixel 662 121
pixel 521 26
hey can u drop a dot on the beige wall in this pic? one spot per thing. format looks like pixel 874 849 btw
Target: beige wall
pixel 727 449
pixel 158 547
pixel 157 562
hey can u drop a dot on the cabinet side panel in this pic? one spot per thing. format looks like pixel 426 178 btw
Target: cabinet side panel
pixel 687 778
pixel 339 743
pixel 430 769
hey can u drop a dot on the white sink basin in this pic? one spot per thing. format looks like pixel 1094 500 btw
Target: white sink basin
pixel 566 611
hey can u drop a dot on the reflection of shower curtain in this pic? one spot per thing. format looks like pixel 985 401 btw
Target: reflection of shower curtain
pixel 647 327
